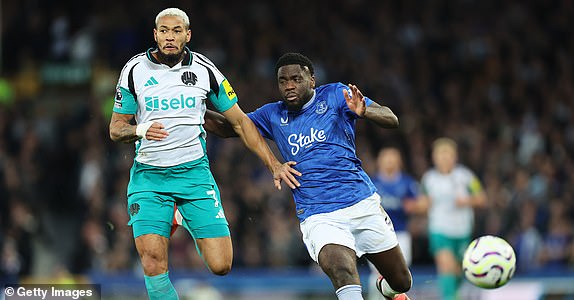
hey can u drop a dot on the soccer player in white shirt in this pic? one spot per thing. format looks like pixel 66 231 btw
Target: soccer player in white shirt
pixel 160 104
pixel 450 193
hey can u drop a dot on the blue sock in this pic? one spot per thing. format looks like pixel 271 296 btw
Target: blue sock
pixel 350 292
pixel 160 287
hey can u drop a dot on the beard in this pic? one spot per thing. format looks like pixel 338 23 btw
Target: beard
pixel 299 103
pixel 294 106
pixel 169 59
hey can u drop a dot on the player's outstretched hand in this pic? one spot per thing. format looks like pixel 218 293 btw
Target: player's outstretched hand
pixel 285 172
pixel 156 132
pixel 356 100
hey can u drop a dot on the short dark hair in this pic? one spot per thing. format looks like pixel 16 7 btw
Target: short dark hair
pixel 294 59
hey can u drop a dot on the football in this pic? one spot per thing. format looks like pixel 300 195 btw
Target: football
pixel 489 262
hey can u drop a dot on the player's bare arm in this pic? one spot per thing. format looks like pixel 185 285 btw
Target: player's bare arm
pixel 477 200
pixel 380 115
pixel 245 128
pixel 217 124
pixel 121 129
pixel 419 206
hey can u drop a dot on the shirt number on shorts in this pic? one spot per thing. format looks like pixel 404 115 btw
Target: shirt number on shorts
pixel 214 196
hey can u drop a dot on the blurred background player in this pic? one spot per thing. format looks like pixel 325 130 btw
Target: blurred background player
pixel 164 92
pixel 336 203
pixel 398 191
pixel 450 192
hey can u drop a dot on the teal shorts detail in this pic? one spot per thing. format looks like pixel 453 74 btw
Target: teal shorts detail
pixel 176 180
pixel 150 213
pixel 191 186
pixel 457 246
pixel 142 227
pixel 210 231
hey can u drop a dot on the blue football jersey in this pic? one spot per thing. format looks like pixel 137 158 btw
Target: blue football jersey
pixel 393 192
pixel 321 139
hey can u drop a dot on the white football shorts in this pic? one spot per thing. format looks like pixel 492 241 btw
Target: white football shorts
pixel 364 227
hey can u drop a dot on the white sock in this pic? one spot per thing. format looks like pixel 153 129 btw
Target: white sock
pixel 387 290
pixel 350 292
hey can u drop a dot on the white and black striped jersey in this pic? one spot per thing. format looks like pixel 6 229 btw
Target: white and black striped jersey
pixel 174 97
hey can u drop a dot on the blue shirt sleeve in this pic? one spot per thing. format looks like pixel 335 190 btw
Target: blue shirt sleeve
pixel 260 118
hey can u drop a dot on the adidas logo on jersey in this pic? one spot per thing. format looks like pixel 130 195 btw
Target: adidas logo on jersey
pixel 151 81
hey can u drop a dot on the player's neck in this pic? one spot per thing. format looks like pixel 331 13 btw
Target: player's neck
pixel 445 170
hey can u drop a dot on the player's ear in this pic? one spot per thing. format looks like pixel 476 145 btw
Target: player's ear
pixel 312 81
pixel 188 35
pixel 155 35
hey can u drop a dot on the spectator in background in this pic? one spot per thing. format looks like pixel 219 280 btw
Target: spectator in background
pixel 559 236
pixel 527 240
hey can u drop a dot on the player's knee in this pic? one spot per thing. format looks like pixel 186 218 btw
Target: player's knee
pixel 403 282
pixel 340 274
pixel 153 264
pixel 152 249
pixel 220 268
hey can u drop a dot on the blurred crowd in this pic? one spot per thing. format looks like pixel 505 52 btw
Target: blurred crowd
pixel 496 76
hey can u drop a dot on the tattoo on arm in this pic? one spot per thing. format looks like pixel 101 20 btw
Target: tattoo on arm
pixel 381 115
pixel 121 130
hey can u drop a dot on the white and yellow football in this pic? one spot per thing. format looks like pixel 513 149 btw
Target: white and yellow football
pixel 489 262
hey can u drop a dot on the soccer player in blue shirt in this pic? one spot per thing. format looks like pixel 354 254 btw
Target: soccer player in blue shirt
pixel 337 204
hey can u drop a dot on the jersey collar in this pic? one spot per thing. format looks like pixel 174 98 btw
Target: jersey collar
pixel 187 57
pixel 310 102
